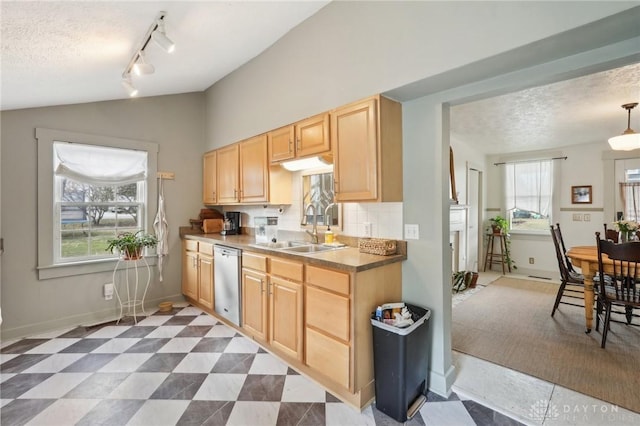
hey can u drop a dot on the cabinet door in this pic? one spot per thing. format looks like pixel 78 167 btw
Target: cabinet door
pixel 254 303
pixel 190 274
pixel 281 144
pixel 254 170
pixel 205 281
pixel 354 133
pixel 286 316
pixel 312 136
pixel 209 178
pixel 327 356
pixel 227 174
pixel 328 312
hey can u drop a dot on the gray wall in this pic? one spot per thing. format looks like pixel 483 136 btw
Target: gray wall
pixel 350 50
pixel 175 123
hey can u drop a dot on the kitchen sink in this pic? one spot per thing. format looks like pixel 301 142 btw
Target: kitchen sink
pixel 310 248
pixel 284 244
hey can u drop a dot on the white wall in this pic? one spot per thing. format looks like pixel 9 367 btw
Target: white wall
pixel 175 123
pixel 583 166
pixel 351 50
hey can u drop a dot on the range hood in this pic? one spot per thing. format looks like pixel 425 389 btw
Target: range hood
pixel 305 163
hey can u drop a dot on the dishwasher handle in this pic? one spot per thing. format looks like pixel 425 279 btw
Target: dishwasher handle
pixel 226 251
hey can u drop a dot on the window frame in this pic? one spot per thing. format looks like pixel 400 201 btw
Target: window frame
pixel 47 268
pixel 554 211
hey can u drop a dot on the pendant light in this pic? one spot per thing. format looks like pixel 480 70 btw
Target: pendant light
pixel 629 139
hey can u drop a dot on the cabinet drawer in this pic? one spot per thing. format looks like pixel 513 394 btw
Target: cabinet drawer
pixel 287 269
pixel 327 356
pixel 328 312
pixel 254 261
pixel 331 280
pixel 191 245
pixel 205 248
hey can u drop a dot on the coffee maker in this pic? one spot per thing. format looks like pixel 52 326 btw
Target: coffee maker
pixel 231 224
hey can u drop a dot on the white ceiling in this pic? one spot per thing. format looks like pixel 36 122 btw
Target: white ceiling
pixel 58 52
pixel 578 111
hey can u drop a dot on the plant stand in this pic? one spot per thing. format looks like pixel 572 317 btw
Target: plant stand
pixel 491 258
pixel 133 300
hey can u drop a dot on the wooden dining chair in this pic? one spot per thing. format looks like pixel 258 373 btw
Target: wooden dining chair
pixel 568 276
pixel 621 288
pixel 610 234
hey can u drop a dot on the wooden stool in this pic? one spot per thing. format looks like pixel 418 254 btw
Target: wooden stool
pixel 496 258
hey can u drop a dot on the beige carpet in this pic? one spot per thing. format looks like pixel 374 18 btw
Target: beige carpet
pixel 509 323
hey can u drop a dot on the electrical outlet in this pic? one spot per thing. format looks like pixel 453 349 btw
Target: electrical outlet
pixel 411 232
pixel 531 261
pixel 367 229
pixel 107 291
pixel 577 217
pixel 587 217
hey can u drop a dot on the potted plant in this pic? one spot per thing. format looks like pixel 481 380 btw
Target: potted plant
pixel 130 244
pixel 463 280
pixel 499 225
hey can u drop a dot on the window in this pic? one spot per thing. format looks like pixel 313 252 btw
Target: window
pixel 89 189
pixel 99 192
pixel 529 195
pixel 630 194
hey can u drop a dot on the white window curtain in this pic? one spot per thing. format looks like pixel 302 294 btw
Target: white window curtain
pixel 529 186
pixel 630 195
pixel 99 165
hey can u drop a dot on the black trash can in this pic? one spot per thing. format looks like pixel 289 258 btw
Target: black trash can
pixel 400 357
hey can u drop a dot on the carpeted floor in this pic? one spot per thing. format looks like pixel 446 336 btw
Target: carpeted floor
pixel 509 323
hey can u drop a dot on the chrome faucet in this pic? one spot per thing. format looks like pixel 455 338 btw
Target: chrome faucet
pixel 314 234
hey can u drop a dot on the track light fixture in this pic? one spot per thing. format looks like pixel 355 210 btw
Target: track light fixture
pixel 138 65
pixel 141 66
pixel 128 86
pixel 161 39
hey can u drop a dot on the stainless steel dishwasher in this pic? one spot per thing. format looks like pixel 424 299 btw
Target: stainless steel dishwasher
pixel 227 287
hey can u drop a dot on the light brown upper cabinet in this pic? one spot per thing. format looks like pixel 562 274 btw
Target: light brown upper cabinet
pixel 367 143
pixel 243 172
pixel 302 139
pixel 254 170
pixel 228 174
pixel 209 178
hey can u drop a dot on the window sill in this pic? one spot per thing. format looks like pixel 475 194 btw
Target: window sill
pixel 82 268
pixel 529 233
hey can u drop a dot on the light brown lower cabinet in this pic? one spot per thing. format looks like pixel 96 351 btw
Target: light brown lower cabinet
pixel 318 319
pixel 272 302
pixel 197 272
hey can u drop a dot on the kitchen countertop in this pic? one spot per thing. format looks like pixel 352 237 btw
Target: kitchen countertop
pixel 347 258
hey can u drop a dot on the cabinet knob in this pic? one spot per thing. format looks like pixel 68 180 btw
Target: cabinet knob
pixel 298 144
pixel 290 145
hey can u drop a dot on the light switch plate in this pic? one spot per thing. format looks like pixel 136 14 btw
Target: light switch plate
pixel 411 232
pixel 587 217
pixel 577 217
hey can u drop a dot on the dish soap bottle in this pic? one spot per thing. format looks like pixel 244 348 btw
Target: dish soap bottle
pixel 328 236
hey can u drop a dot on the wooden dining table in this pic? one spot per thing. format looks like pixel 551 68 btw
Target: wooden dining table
pixel 586 258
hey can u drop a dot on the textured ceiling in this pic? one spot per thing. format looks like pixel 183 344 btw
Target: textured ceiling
pixel 61 52
pixel 578 111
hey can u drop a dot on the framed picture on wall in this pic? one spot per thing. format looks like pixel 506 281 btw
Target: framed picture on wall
pixel 581 194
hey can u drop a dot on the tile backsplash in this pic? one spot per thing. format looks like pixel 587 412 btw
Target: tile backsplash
pixel 385 218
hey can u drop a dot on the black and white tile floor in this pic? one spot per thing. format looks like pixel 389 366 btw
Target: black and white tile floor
pixel 181 367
